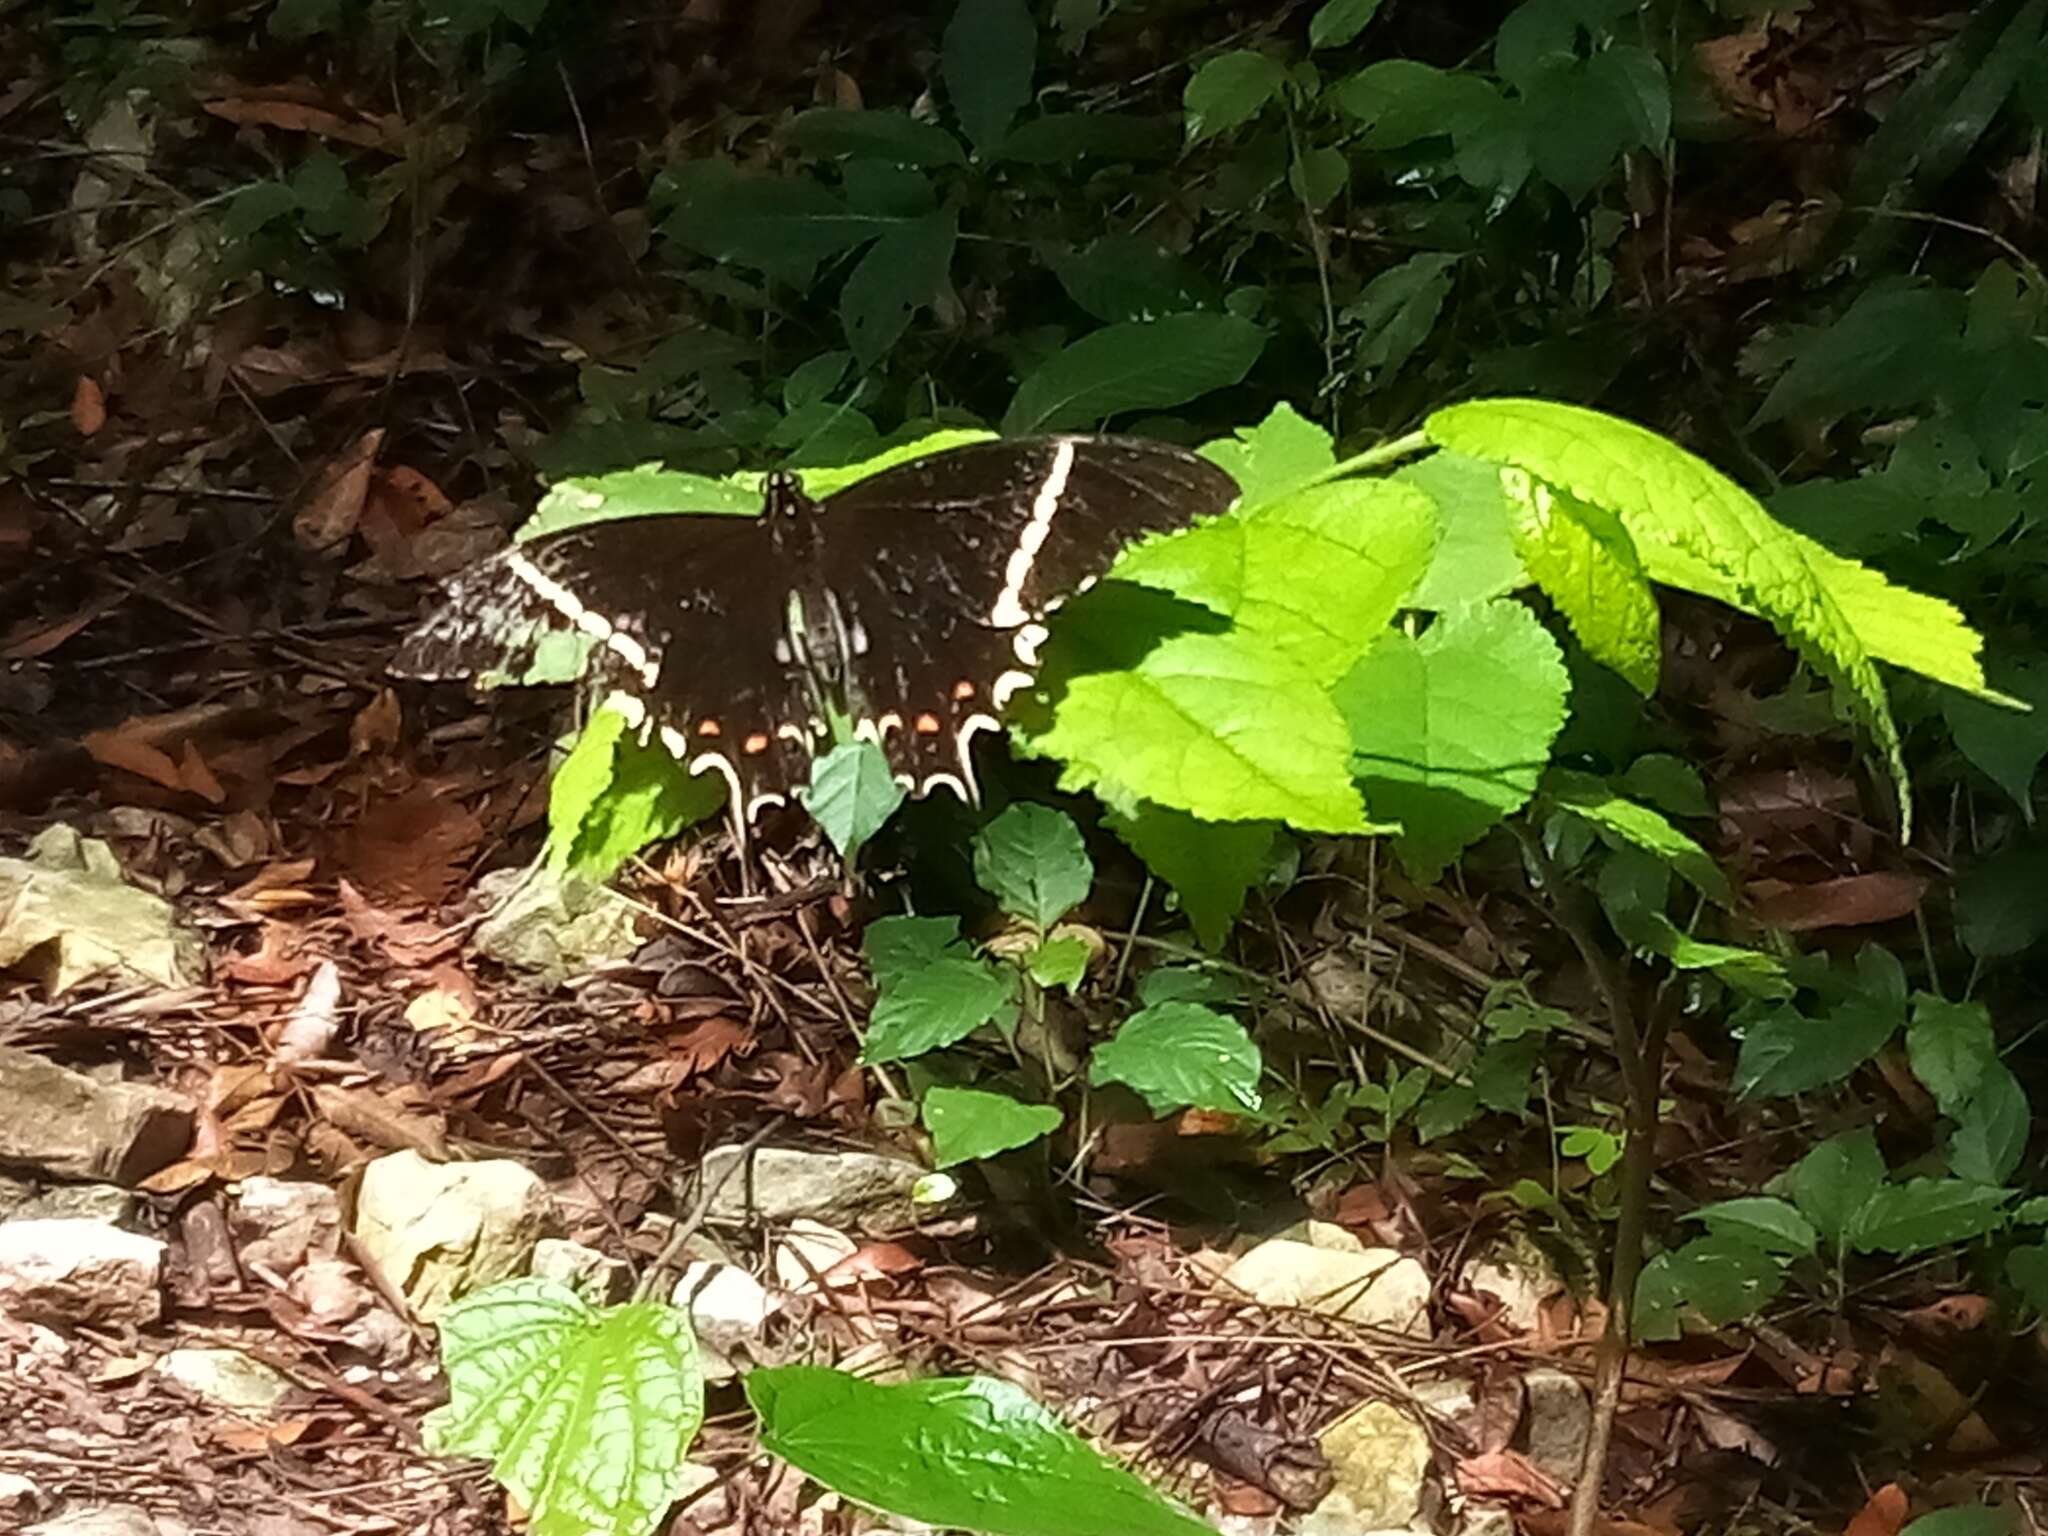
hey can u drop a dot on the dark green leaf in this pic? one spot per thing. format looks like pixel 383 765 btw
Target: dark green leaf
pixel 1337 22
pixel 967 1124
pixel 901 273
pixel 1401 101
pixel 1963 1520
pixel 893 136
pixel 1724 1279
pixel 1209 864
pixel 1140 365
pixel 1126 277
pixel 971 1454
pixel 1785 1052
pixel 1832 1183
pixel 1949 1045
pixel 852 793
pixel 987 58
pixel 1999 911
pixel 1061 138
pixel 1762 1222
pixel 1230 89
pixel 1919 1214
pixel 2027 1269
pixel 1992 1126
pixel 897 946
pixel 1398 310
pixel 2007 744
pixel 1032 860
pixel 781 226
pixel 1180 1056
pixel 938 1004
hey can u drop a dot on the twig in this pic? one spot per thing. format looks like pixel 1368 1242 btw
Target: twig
pixel 1639 1045
pixel 700 1208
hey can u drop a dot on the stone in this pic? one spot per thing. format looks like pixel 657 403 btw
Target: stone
pixel 68 1270
pixel 438 1231
pixel 1323 1234
pixel 597 1277
pixel 551 925
pixel 73 1126
pixel 1558 1414
pixel 1374 1287
pixel 99 1520
pixel 226 1378
pixel 1379 1457
pixel 729 1309
pixel 25 1200
pixel 280 1223
pixel 861 1191
pixel 1485 1520
pixel 1517 1274
pixel 68 914
pixel 19 1497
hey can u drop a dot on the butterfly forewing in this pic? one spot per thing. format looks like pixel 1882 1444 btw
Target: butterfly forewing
pixel 912 601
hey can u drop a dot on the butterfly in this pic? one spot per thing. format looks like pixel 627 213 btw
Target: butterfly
pixel 910 604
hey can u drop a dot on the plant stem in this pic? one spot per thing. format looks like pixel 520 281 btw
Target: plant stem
pixel 1373 458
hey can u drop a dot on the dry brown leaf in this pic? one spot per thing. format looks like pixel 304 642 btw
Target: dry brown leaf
pixel 27 641
pixel 88 406
pixel 365 131
pixel 367 1115
pixel 377 727
pixel 1884 1515
pixel 330 511
pixel 197 776
pixel 405 941
pixel 411 849
pixel 1848 902
pixel 117 748
pixel 1508 1475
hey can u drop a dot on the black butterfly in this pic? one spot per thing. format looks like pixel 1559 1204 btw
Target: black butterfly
pixel 911 602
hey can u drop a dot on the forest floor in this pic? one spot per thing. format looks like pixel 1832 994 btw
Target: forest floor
pixel 215 526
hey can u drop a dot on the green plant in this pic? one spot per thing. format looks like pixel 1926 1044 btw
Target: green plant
pixel 586 1414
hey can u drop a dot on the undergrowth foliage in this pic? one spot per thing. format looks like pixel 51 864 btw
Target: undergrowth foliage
pixel 1449 640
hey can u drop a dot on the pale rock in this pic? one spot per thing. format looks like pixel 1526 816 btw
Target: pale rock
pixel 858 1191
pixel 19 1496
pixel 804 1252
pixel 226 1378
pixel 729 1309
pixel 1322 1234
pixel 76 1126
pixel 597 1277
pixel 331 1290
pixel 1517 1274
pixel 68 1271
pixel 1485 1520
pixel 68 911
pixel 1379 1457
pixel 22 1200
pixel 1559 1416
pixel 1373 1288
pixel 438 1231
pixel 99 1520
pixel 552 925
pixel 283 1222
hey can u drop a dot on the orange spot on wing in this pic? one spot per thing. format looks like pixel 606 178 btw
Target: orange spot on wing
pixel 963 690
pixel 926 725
pixel 754 744
pixel 709 728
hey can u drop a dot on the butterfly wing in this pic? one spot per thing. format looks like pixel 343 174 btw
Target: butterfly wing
pixel 950 563
pixel 682 616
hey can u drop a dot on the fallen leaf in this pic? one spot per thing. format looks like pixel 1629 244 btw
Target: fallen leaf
pixel 1884 1515
pixel 275 963
pixel 1508 1474
pixel 368 1116
pixel 411 849
pixel 117 749
pixel 365 131
pixel 405 941
pixel 310 1031
pixel 88 406
pixel 377 727
pixel 439 1009
pixel 330 511
pixel 1851 901
pixel 197 776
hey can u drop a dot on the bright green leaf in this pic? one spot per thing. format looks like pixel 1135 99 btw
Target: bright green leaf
pixel 614 795
pixel 1450 731
pixel 1182 1056
pixel 1060 962
pixel 974 1454
pixel 1279 456
pixel 968 1124
pixel 584 1414
pixel 1668 498
pixel 1475 557
pixel 932 990
pixel 1589 799
pixel 1316 576
pixel 1585 560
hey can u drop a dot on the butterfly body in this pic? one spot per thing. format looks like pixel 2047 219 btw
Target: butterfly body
pixel 908 604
